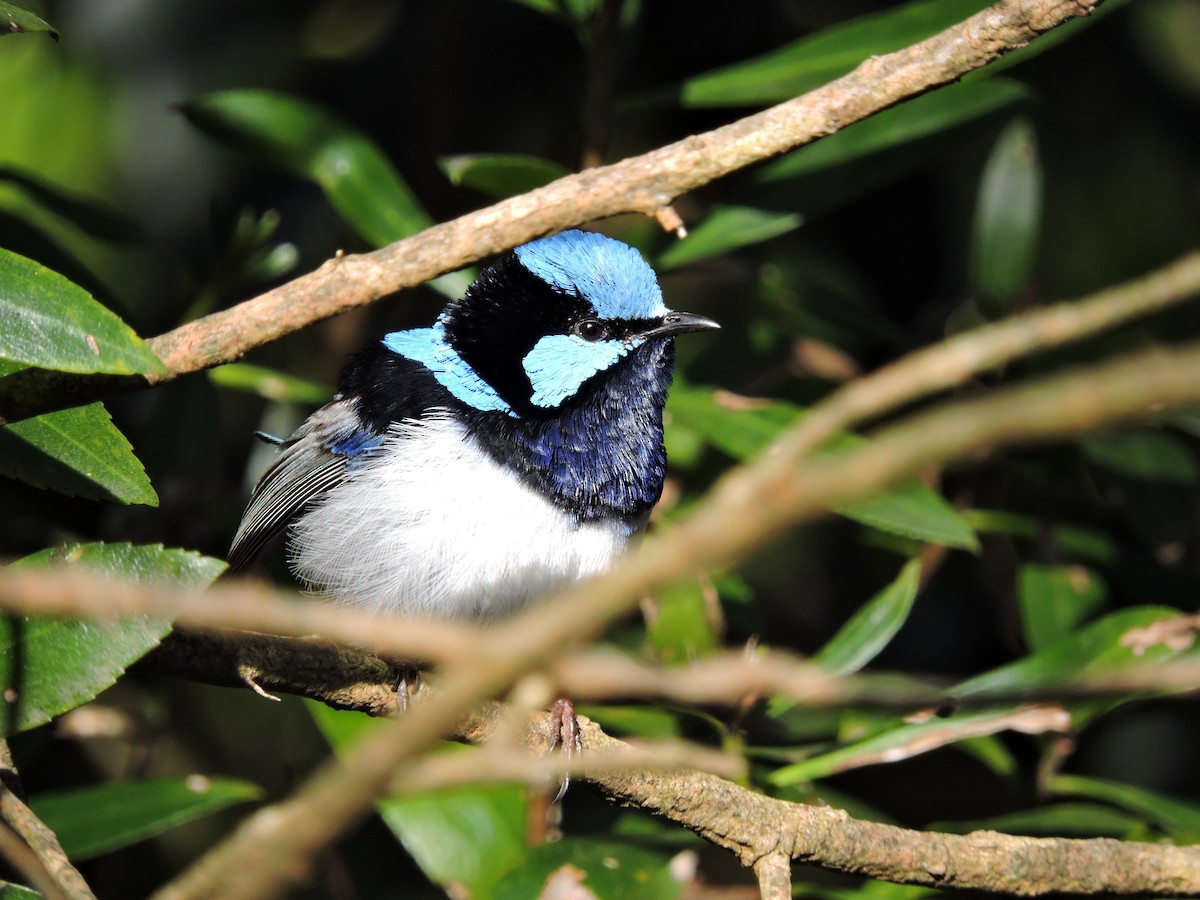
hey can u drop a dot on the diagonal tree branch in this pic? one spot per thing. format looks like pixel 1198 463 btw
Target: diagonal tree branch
pixel 744 510
pixel 640 184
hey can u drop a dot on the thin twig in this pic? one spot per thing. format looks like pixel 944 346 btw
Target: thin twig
pixel 745 509
pixel 642 184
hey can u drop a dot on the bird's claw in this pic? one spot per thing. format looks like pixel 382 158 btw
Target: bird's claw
pixel 564 731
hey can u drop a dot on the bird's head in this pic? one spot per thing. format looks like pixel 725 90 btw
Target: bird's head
pixel 547 318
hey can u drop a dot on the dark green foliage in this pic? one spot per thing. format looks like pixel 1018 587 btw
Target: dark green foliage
pixel 169 160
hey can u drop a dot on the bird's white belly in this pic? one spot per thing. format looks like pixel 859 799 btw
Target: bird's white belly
pixel 433 526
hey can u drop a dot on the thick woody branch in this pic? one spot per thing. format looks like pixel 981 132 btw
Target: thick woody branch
pixel 764 832
pixel 641 184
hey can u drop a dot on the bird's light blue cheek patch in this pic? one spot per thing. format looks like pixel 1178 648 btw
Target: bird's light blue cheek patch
pixel 428 346
pixel 559 364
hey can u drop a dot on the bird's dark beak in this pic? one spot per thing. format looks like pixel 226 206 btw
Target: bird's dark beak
pixel 674 323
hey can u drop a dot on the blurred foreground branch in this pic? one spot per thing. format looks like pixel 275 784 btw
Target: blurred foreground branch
pixel 642 184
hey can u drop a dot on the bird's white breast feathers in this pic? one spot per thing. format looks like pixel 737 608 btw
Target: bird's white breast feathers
pixel 471 542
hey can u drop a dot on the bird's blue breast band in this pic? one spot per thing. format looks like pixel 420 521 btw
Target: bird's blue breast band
pixel 559 364
pixel 428 346
pixel 610 275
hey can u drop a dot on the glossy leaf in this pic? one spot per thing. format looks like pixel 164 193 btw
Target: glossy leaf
pixel 906 740
pixel 78 452
pixel 500 175
pixel 895 128
pixel 14 20
pixel 1178 818
pixel 575 867
pixel 95 820
pixel 10 891
pixel 1101 646
pixel 1054 600
pixel 306 140
pixel 458 836
pixel 270 384
pixel 725 229
pixel 53 665
pixel 812 61
pixel 49 322
pixel 871 628
pixel 744 428
pixel 1144 453
pixel 1007 223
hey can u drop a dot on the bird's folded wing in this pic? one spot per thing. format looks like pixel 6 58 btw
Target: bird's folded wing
pixel 313 461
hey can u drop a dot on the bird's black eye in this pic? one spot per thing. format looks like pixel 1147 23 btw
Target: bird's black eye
pixel 591 330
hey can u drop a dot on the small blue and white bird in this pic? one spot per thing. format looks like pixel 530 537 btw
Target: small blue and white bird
pixel 465 469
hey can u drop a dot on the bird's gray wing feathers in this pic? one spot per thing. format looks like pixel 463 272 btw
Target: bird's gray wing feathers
pixel 310 464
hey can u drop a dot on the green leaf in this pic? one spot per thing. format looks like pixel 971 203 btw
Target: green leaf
pixel 49 322
pixel 89 215
pixel 10 891
pixel 1101 646
pixel 585 867
pixel 53 665
pixel 905 740
pixel 78 452
pixel 500 175
pixel 812 61
pixel 744 428
pixel 20 21
pixel 725 229
pixel 1008 214
pixel 458 836
pixel 1054 600
pixel 358 180
pixel 679 628
pixel 871 628
pixel 1144 453
pixel 95 820
pixel 461 836
pixel 901 126
pixel 1178 818
pixel 269 383
pixel 642 721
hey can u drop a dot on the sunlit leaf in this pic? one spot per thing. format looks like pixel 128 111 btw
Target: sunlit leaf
pixel 49 322
pixel 94 820
pixel 52 665
pixel 78 452
pixel 743 429
pixel 465 836
pixel 1054 600
pixel 303 138
pixel 500 175
pixel 1008 213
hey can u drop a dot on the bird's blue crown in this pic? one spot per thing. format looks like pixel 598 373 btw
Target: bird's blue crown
pixel 576 276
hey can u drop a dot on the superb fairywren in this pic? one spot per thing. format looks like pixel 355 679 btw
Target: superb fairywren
pixel 464 469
